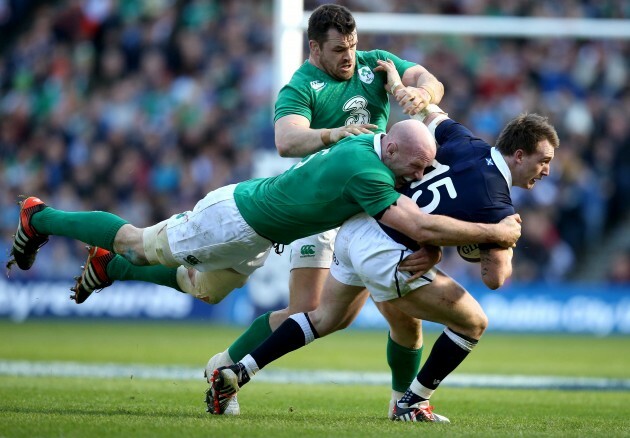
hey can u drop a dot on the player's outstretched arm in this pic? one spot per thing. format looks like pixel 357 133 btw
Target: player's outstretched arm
pixel 415 90
pixel 419 77
pixel 496 266
pixel 406 217
pixel 294 136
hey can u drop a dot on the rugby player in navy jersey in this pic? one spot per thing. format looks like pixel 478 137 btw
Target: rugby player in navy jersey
pixel 469 180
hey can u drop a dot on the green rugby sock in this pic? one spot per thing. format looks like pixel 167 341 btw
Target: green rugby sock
pixel 404 364
pixel 96 228
pixel 123 270
pixel 255 334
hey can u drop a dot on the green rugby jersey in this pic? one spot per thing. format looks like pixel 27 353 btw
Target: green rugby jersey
pixel 329 103
pixel 320 192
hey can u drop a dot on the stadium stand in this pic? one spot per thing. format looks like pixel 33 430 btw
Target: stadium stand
pixel 140 108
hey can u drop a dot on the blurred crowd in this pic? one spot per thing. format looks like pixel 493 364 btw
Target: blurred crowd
pixel 141 107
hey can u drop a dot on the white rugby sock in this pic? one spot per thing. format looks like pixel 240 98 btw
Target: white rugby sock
pixel 305 325
pixel 421 390
pixel 250 365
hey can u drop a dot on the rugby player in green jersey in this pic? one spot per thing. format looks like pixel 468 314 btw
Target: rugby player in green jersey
pixel 339 92
pixel 211 250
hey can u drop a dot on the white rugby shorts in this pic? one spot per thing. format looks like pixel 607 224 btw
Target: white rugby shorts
pixel 214 236
pixel 313 251
pixel 366 256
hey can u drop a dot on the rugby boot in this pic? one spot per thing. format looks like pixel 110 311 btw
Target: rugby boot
pixel 418 412
pixel 392 408
pixel 94 276
pixel 27 241
pixel 216 361
pixel 225 382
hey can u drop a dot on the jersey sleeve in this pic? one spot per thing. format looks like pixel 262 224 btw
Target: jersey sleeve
pixel 401 64
pixel 373 191
pixel 292 100
pixel 493 215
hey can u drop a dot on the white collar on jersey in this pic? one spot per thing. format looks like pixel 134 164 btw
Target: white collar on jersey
pixel 499 161
pixel 377 144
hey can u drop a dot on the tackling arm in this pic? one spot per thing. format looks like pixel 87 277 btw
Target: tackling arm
pixel 416 90
pixel 430 88
pixel 406 217
pixel 294 136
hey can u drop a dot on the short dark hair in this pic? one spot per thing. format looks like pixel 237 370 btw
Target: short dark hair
pixel 525 132
pixel 329 16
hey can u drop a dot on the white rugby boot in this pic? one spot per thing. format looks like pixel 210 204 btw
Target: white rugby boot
pixel 417 412
pixel 396 395
pixel 219 360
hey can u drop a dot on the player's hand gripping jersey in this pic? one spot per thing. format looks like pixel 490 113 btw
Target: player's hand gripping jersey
pixel 469 181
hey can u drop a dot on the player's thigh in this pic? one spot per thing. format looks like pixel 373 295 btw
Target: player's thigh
pixel 366 255
pixel 310 260
pixel 446 302
pixel 305 288
pixel 404 329
pixel 339 306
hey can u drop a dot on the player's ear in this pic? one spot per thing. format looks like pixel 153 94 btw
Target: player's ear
pixel 314 47
pixel 518 155
pixel 391 148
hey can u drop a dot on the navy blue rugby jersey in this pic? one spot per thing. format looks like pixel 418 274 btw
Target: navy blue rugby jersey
pixel 464 183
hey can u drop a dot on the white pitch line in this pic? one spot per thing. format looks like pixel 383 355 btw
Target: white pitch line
pixel 175 372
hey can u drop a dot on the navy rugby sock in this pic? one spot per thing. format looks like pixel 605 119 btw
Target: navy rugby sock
pixel 449 350
pixel 255 334
pixel 296 332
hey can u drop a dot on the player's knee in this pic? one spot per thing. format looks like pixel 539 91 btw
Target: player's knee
pixel 300 307
pixel 155 246
pixel 276 318
pixel 210 287
pixel 323 324
pixel 128 243
pixel 406 324
pixel 473 322
pixel 406 331
pixel 478 324
pixel 305 289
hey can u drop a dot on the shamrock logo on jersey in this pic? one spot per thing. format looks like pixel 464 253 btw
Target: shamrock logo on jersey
pixel 366 75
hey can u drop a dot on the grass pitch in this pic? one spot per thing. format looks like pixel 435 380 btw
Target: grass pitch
pixel 68 406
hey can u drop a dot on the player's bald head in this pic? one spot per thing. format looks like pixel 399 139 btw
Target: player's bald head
pixel 414 139
pixel 407 149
